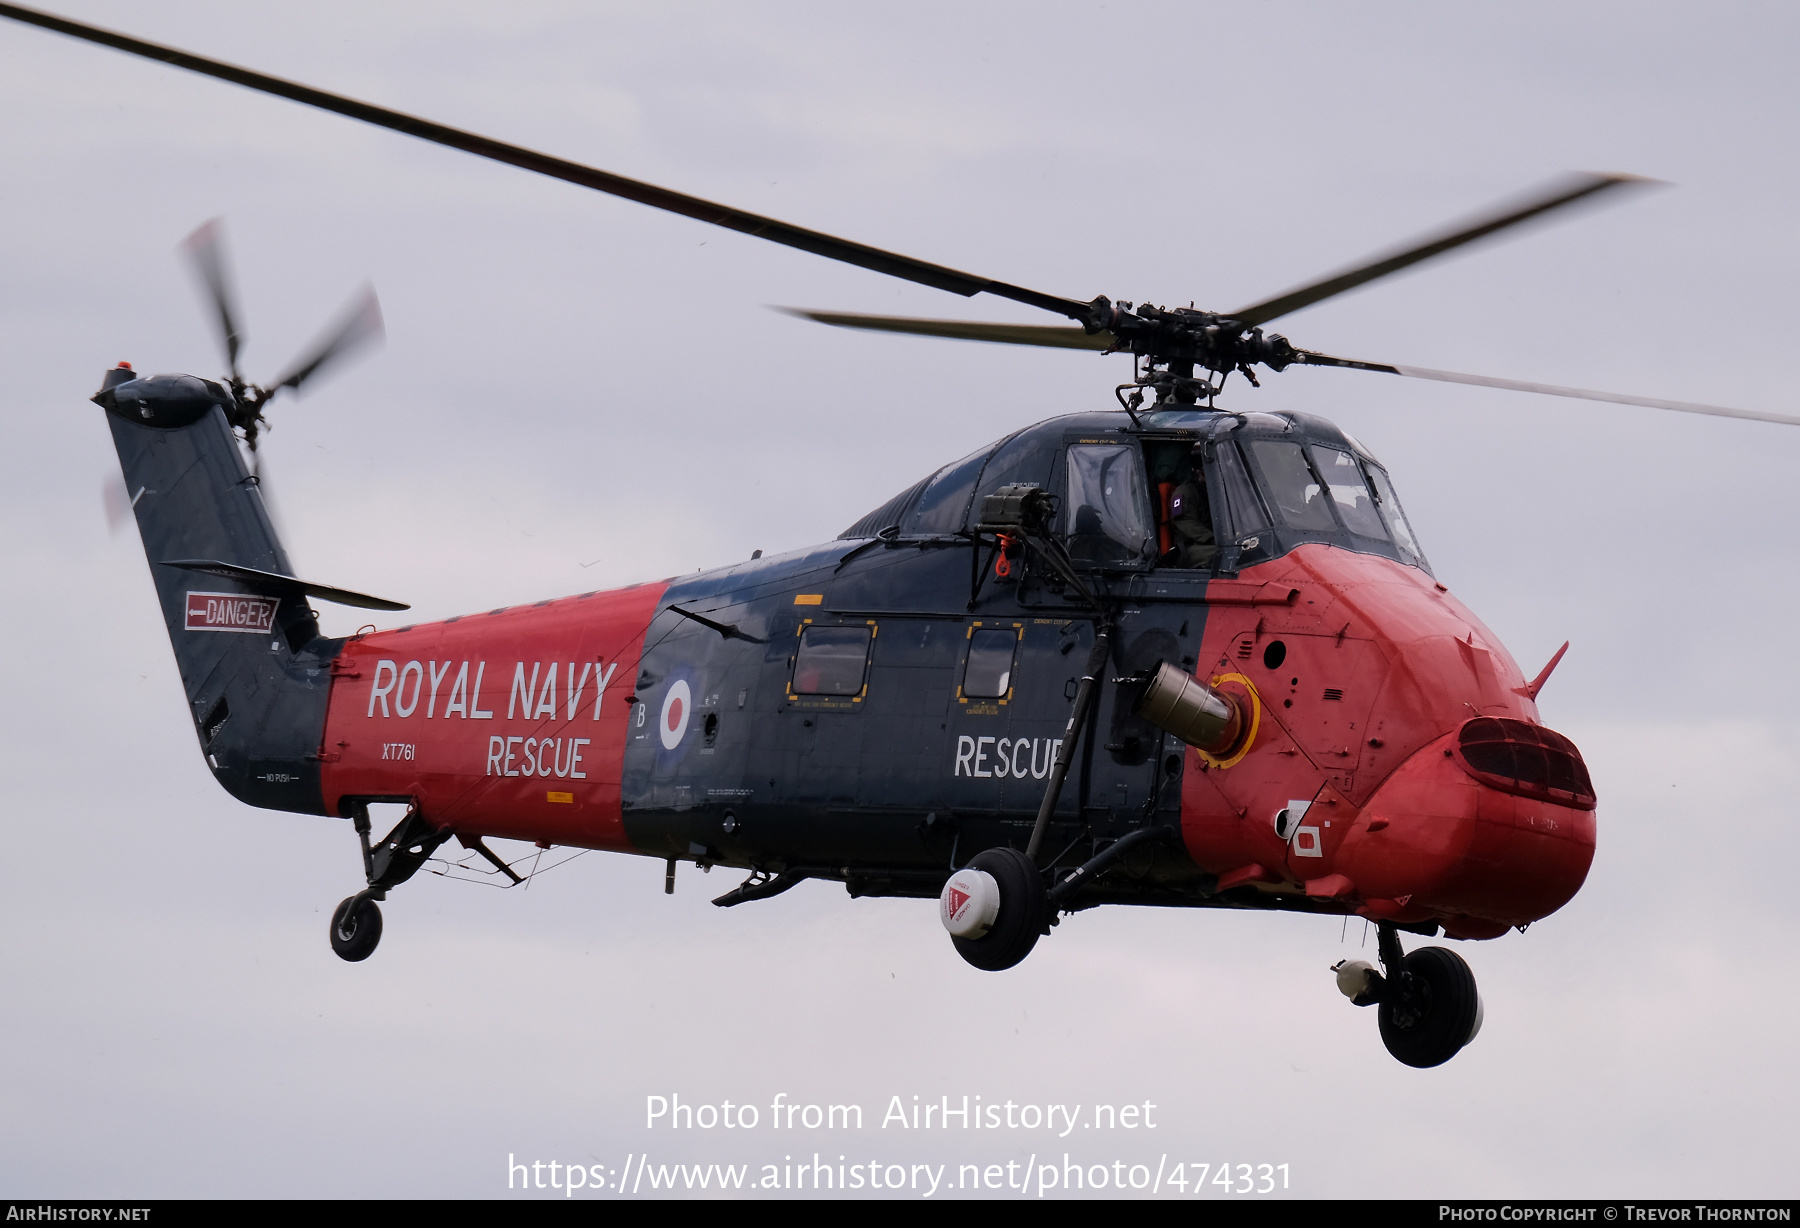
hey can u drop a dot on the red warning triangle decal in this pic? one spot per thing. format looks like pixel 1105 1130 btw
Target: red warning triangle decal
pixel 958 898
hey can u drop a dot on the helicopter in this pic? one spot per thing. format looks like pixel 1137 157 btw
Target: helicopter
pixel 1070 706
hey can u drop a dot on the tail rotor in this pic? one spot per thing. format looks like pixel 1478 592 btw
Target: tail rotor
pixel 358 326
pixel 205 250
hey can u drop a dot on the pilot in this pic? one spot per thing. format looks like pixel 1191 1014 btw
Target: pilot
pixel 1190 524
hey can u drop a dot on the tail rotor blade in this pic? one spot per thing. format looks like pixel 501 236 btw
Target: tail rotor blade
pixel 116 501
pixel 360 325
pixel 205 250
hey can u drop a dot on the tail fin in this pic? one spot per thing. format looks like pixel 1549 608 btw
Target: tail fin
pixel 256 671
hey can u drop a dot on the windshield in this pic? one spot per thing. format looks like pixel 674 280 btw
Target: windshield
pixel 1349 491
pixel 1295 493
pixel 1315 489
pixel 1396 519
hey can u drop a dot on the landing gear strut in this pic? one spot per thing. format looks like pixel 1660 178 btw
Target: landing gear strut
pixel 356 922
pixel 1426 1002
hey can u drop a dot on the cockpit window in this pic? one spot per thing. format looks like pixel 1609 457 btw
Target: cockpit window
pixel 1344 477
pixel 1106 504
pixel 1396 519
pixel 1247 511
pixel 1294 490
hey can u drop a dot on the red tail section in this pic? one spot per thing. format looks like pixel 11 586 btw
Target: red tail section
pixel 511 723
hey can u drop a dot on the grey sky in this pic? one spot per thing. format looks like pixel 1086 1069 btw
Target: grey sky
pixel 579 392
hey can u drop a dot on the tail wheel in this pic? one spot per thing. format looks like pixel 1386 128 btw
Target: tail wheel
pixel 1023 914
pixel 355 928
pixel 1432 1010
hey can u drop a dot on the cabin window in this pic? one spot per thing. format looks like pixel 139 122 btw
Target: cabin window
pixel 989 672
pixel 1350 491
pixel 1106 504
pixel 832 660
pixel 1295 491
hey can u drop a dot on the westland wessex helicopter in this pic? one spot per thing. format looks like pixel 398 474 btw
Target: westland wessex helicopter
pixel 1165 654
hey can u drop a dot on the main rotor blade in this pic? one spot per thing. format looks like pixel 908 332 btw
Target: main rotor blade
pixel 816 242
pixel 1056 336
pixel 1553 390
pixel 359 325
pixel 1558 195
pixel 205 250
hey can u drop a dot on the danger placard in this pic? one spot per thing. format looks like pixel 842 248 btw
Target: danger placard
pixel 231 612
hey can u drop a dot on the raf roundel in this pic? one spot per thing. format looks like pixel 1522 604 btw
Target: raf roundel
pixel 677 706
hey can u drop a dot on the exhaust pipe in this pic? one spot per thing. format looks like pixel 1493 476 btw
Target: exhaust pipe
pixel 1204 718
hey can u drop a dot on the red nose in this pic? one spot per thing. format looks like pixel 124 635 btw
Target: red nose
pixel 1486 828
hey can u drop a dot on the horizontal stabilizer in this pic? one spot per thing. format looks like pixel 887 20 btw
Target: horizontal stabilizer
pixel 270 584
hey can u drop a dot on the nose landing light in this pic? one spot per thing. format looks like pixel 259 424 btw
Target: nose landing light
pixel 1525 759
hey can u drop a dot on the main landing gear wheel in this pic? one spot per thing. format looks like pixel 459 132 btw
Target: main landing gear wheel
pixel 356 928
pixel 356 925
pixel 1431 1010
pixel 995 909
